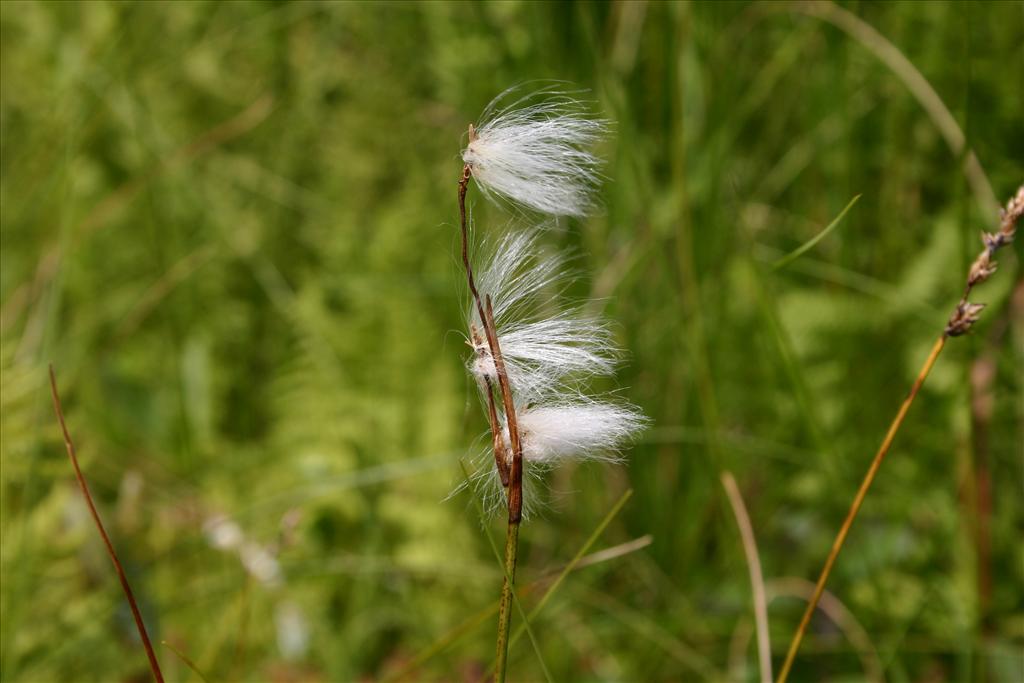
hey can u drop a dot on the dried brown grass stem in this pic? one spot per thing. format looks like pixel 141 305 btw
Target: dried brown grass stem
pixel 960 322
pixel 844 530
pixel 154 665
pixel 511 473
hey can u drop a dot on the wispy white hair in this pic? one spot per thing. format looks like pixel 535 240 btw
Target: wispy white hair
pixel 541 354
pixel 537 154
pixel 554 434
pixel 582 429
pixel 486 485
pixel 534 151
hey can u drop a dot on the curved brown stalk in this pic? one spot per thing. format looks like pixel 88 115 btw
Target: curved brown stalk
pixel 467 173
pixel 514 473
pixel 855 507
pixel 515 478
pixel 960 322
pixel 154 665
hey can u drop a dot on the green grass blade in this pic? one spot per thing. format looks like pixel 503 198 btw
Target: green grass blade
pixel 809 244
pixel 445 641
pixel 575 560
pixel 471 623
pixel 188 662
pixel 644 625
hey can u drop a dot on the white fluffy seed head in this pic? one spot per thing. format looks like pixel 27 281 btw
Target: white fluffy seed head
pixel 534 152
pixel 537 154
pixel 551 435
pixel 573 431
pixel 542 354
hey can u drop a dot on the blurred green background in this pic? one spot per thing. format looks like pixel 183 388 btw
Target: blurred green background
pixel 232 229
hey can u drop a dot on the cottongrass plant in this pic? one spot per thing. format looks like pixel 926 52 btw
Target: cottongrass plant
pixel 532 355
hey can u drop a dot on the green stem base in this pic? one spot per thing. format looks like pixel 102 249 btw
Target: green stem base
pixel 505 607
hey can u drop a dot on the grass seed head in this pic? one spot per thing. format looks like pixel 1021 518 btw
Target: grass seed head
pixel 537 155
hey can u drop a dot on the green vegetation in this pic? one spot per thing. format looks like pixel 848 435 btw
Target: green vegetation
pixel 232 228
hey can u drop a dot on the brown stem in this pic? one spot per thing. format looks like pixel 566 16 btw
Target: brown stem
pixel 499 448
pixel 515 473
pixel 855 507
pixel 153 664
pixel 500 460
pixel 515 480
pixel 463 185
pixel 511 474
pixel 964 316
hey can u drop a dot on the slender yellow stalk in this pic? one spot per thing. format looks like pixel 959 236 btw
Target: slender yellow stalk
pixel 960 322
pixel 855 507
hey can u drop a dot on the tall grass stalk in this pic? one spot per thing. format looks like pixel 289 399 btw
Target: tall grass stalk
pixel 154 665
pixel 837 544
pixel 513 477
pixel 960 322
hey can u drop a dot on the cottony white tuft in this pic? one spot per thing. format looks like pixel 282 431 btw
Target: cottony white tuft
pixel 582 430
pixel 540 355
pixel 553 434
pixel 536 155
